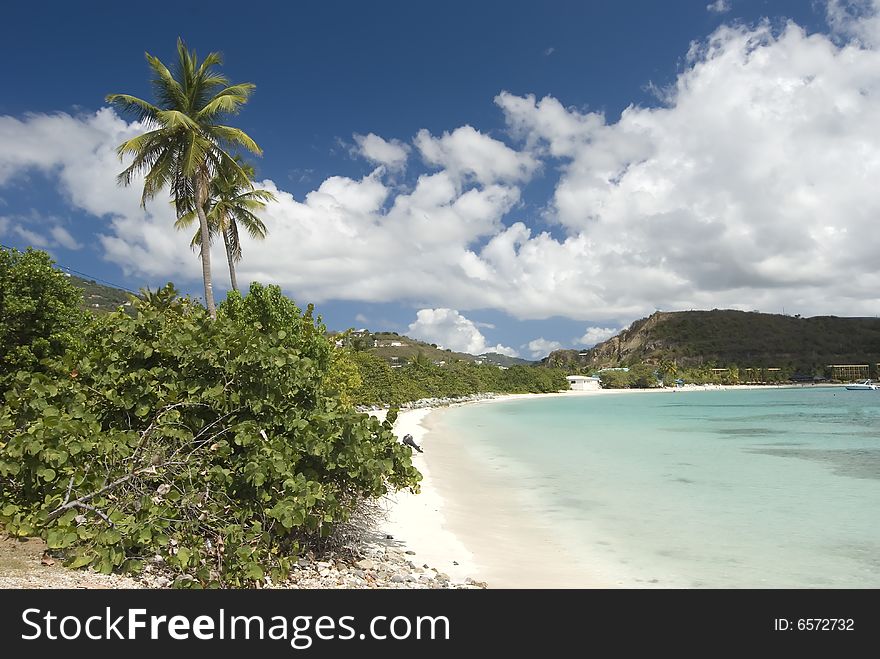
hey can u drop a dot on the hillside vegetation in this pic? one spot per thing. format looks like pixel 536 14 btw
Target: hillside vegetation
pixel 99 298
pixel 726 338
pixel 399 350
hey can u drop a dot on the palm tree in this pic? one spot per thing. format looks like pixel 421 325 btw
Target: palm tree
pixel 185 144
pixel 231 203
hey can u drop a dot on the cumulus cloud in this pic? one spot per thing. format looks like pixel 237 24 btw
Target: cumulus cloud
pixel 719 7
pixel 468 153
pixel 42 232
pixel 595 335
pixel 752 185
pixel 62 237
pixel 32 238
pixel 858 20
pixel 744 191
pixel 80 152
pixel 541 347
pixel 392 154
pixel 449 329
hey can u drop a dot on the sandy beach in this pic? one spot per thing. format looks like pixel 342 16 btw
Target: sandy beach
pixel 465 521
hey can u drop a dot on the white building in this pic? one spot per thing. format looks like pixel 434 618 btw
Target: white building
pixel 583 382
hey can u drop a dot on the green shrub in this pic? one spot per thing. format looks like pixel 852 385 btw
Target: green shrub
pixel 39 311
pixel 216 445
pixel 642 376
pixel 381 384
pixel 614 379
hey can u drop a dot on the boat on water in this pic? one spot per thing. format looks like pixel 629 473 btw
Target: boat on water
pixel 863 385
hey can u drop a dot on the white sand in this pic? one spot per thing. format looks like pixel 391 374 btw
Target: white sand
pixel 467 513
pixel 418 520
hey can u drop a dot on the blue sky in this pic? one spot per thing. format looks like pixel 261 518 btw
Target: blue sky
pixel 508 175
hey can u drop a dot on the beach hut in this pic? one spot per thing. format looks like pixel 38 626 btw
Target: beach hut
pixel 582 382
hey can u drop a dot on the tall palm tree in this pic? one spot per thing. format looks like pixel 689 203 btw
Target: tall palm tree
pixel 231 204
pixel 185 144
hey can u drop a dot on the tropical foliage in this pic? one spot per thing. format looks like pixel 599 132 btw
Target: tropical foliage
pixel 40 311
pixel 186 143
pixel 232 204
pixel 382 384
pixel 693 340
pixel 216 446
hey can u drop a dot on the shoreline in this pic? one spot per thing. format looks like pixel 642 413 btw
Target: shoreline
pixel 464 523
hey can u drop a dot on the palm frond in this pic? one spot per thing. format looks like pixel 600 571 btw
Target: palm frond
pixel 227 101
pixel 253 224
pixel 194 154
pixel 176 119
pixel 236 137
pixel 166 88
pixel 159 175
pixel 232 241
pixel 212 59
pixel 186 220
pixel 132 105
pixel 256 197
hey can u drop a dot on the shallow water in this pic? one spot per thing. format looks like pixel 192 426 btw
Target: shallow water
pixel 715 489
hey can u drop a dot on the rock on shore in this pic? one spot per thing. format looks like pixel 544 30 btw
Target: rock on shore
pixel 25 564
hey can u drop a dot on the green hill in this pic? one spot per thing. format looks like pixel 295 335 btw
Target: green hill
pixel 398 349
pixel 725 337
pixel 99 298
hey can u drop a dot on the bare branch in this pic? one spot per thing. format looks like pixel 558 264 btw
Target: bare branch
pixel 86 506
pixel 69 488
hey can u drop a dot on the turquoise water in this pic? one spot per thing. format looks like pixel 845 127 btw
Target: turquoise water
pixel 706 489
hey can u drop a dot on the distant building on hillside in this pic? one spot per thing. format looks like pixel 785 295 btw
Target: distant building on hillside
pixel 582 382
pixel 849 372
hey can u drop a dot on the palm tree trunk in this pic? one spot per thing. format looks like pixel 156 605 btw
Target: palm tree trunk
pixel 201 190
pixel 231 262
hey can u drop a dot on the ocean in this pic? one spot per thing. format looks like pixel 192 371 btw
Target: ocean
pixel 736 488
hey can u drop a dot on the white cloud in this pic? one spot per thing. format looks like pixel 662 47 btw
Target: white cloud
pixel 81 153
pixel 541 347
pixel 392 154
pixel 549 51
pixel 449 329
pixel 719 6
pixel 467 153
pixel 858 20
pixel 361 318
pixel 753 186
pixel 744 191
pixel 42 232
pixel 33 238
pixel 595 335
pixel 62 237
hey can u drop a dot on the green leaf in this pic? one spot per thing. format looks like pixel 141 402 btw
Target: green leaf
pixel 80 560
pixel 254 571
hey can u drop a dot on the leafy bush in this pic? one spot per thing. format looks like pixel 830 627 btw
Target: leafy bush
pixel 217 446
pixel 381 384
pixel 39 311
pixel 642 376
pixel 614 379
